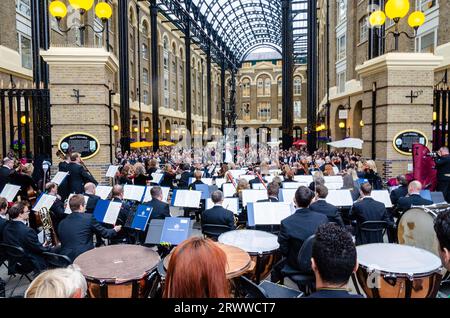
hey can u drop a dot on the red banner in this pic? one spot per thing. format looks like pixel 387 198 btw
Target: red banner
pixel 424 167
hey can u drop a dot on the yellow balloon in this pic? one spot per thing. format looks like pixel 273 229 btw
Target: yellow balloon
pixel 416 19
pixel 57 9
pixel 103 11
pixel 377 19
pixel 397 9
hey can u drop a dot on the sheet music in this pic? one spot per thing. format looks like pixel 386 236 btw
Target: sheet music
pixel 103 191
pixel 258 186
pixel 287 195
pixel 236 173
pixel 45 201
pixel 383 197
pixel 228 190
pixel 59 177
pixel 112 213
pixel 247 177
pixel 9 192
pixel 67 210
pixel 271 213
pixel 253 196
pixel 220 181
pixel 340 198
pixel 134 193
pixel 207 181
pixel 187 199
pixel 148 196
pixel 334 182
pixel 292 185
pixel 231 204
pixel 112 171
pixel 304 179
pixel 157 177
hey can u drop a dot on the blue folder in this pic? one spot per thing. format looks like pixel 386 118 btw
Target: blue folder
pixel 175 230
pixel 251 214
pixel 100 209
pixel 141 217
pixel 204 189
pixel 426 194
pixel 174 195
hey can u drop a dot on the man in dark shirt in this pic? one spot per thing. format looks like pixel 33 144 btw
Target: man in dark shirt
pixel 78 175
pixel 401 191
pixel 322 206
pixel 333 262
pixel 160 209
pixel 57 208
pixel 413 198
pixel 77 230
pixel 443 172
pixel 272 192
pixel 7 172
pixel 218 215
pixel 89 191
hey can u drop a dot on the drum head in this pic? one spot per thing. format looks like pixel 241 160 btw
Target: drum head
pixel 251 241
pixel 398 259
pixel 416 228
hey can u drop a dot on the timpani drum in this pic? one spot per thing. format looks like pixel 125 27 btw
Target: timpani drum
pixel 261 246
pixel 416 227
pixel 118 271
pixel 398 271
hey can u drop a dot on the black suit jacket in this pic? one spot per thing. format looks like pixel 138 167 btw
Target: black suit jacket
pixel 332 212
pixel 369 210
pixel 64 188
pixel 270 199
pixel 76 232
pixel 193 184
pixel 2 226
pixel 398 193
pixel 256 180
pixel 78 177
pixel 18 234
pixel 219 216
pixel 141 180
pixel 443 168
pixel 91 203
pixel 332 293
pixel 414 199
pixel 5 176
pixel 295 229
pixel 161 210
pixel 58 214
pixel 183 183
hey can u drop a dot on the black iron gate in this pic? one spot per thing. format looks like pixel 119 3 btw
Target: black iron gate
pixel 25 122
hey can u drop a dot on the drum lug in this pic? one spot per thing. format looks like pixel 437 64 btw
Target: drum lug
pixel 410 276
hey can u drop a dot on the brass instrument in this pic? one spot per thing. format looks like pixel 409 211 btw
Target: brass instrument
pixel 50 237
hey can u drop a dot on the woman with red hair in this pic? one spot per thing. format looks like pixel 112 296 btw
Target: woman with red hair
pixel 197 270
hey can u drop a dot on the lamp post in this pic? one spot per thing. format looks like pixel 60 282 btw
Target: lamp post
pixel 397 10
pixel 102 10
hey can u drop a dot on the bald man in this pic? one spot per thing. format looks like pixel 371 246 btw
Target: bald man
pixel 413 198
pixel 89 191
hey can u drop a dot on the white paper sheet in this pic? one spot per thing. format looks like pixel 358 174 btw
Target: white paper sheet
pixel 288 195
pixel 187 199
pixel 304 179
pixel 148 196
pixel 231 204
pixel 208 181
pixel 292 185
pixel 220 181
pixel 103 191
pixel 9 192
pixel 112 213
pixel 59 177
pixel 340 198
pixel 253 196
pixel 45 201
pixel 157 177
pixel 228 190
pixel 133 193
pixel 383 197
pixel 112 171
pixel 67 210
pixel 271 213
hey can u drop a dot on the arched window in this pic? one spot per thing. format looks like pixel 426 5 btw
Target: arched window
pixel 144 51
pixel 260 84
pixel 145 75
pixel 297 85
pixel 246 88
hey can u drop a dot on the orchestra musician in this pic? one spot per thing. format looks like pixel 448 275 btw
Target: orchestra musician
pixel 7 172
pixel 322 206
pixel 63 166
pixel 413 198
pixel 218 215
pixel 272 193
pixel 78 174
pixel 89 191
pixel 57 209
pixel 401 191
pixel 3 217
pixel 28 188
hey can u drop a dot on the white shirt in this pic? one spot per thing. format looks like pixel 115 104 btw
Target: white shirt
pixel 3 217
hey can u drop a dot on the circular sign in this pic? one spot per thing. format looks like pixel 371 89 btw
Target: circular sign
pixel 404 141
pixel 85 144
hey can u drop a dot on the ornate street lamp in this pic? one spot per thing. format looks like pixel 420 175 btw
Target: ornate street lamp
pixel 102 10
pixel 397 10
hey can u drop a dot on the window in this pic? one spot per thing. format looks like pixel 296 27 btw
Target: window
pixel 425 5
pixel 264 111
pixel 297 109
pixel 98 40
pixel 24 7
pixel 144 51
pixel 341 82
pixel 166 72
pixel 260 87
pixel 341 10
pixel 267 87
pixel 426 43
pixel 297 85
pixel 25 51
pixel 181 84
pixel 146 98
pixel 280 87
pixel 280 111
pixel 145 76
pixel 246 88
pixel 341 47
pixel 363 30
pixel 246 111
pixel 246 65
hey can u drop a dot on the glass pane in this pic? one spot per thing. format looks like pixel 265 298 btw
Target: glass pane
pixel 25 48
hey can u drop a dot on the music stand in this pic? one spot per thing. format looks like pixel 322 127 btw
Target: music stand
pixel 155 229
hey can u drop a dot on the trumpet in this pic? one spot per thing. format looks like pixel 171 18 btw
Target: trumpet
pixel 50 237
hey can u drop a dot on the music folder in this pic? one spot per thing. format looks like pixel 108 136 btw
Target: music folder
pixel 44 201
pixel 148 196
pixel 204 189
pixel 140 218
pixel 103 191
pixel 253 196
pixel 155 232
pixel 426 194
pixel 9 192
pixel 133 192
pixel 112 171
pixel 59 177
pixel 383 197
pixel 268 213
pixel 157 177
pixel 208 181
pixel 231 204
pixel 340 198
pixel 228 190
pixel 287 195
pixel 107 211
pixel 186 198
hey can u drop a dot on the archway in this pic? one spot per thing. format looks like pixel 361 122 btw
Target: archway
pixel 340 125
pixel 358 124
pixel 167 130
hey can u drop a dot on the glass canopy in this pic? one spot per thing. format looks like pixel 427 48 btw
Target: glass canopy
pixel 245 25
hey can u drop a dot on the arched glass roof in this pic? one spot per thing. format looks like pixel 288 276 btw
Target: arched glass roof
pixel 244 25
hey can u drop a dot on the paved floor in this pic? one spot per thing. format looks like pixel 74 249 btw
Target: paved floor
pixel 23 284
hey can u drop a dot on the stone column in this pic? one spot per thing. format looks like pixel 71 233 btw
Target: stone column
pixel 91 71
pixel 395 75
